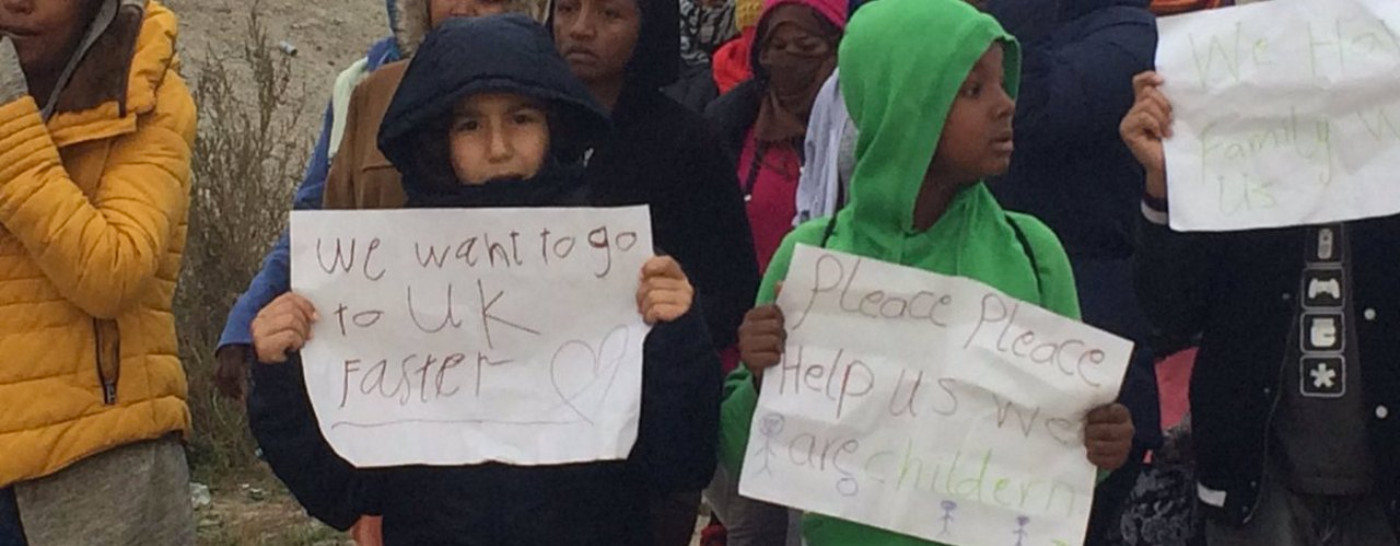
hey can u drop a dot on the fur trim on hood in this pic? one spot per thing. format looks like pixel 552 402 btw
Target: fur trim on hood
pixel 412 21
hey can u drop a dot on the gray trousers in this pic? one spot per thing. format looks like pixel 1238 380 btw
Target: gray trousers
pixel 137 494
pixel 1286 518
pixel 750 522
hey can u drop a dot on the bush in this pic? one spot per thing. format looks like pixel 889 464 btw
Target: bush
pixel 246 165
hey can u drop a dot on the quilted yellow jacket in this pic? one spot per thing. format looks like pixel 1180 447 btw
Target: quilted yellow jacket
pixel 93 208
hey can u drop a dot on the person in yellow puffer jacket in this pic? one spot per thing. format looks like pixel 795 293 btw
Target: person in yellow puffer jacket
pixel 96 132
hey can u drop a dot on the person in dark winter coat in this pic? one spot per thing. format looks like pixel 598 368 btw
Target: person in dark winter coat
pixel 660 153
pixel 469 65
pixel 1072 171
pixel 663 155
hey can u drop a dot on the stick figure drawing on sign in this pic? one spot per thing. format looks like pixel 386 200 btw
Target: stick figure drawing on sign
pixel 948 508
pixel 770 427
pixel 1021 532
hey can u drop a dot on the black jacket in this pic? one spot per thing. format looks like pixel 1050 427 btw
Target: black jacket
pixel 1239 291
pixel 663 155
pixel 1071 168
pixel 603 503
pixel 600 504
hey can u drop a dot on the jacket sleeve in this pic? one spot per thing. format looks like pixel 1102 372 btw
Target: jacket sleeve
pixel 1078 81
pixel 675 448
pixel 721 260
pixel 280 414
pixel 1171 274
pixel 274 278
pixel 99 252
pixel 740 394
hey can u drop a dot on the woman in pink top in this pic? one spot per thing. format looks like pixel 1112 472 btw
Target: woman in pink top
pixel 763 121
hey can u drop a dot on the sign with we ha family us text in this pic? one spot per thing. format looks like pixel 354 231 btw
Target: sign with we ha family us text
pixel 1286 113
pixel 929 405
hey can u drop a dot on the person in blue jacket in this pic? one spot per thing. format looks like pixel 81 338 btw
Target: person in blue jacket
pixel 1072 171
pixel 410 21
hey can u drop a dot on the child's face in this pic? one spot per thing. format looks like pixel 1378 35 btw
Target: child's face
pixel 977 137
pixel 498 136
pixel 439 11
pixel 597 37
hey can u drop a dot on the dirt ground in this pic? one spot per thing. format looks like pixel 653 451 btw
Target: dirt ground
pixel 328 35
pixel 255 509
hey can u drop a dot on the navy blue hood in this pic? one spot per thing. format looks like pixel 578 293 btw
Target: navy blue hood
pixel 502 53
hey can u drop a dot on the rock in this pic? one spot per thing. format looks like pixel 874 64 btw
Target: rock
pixel 200 496
pixel 257 494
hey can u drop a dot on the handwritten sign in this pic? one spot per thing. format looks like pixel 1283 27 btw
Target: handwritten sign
pixel 1286 113
pixel 929 405
pixel 451 337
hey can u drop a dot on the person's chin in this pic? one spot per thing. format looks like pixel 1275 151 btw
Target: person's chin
pixel 997 167
pixel 584 68
pixel 510 178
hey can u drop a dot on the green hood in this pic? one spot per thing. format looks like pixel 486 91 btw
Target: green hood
pixel 902 63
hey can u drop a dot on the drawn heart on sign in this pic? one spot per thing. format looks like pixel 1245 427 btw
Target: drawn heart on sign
pixel 578 370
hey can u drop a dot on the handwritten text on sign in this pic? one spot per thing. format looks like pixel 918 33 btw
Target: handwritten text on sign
pixel 461 336
pixel 1286 113
pixel 929 405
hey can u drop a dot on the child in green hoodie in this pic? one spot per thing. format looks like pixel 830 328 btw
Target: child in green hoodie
pixel 934 119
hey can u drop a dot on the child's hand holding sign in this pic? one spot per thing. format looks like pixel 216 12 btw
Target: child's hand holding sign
pixel 283 327
pixel 1144 128
pixel 665 293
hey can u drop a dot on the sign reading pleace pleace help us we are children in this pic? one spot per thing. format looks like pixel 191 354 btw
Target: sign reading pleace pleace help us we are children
pixel 929 405
pixel 1286 113
pixel 451 337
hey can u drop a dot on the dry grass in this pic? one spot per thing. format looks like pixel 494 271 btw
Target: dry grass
pixel 247 161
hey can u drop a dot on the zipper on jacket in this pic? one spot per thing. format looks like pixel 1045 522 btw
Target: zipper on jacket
pixel 109 384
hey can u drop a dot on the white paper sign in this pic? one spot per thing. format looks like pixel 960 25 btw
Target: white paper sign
pixel 929 405
pixel 1286 113
pixel 451 337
